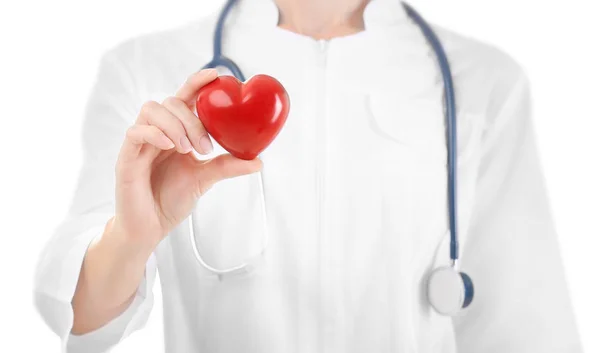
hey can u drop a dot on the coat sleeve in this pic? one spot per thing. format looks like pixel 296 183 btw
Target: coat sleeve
pixel 109 111
pixel 521 302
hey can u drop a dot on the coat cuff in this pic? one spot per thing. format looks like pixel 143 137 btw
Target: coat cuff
pixel 56 284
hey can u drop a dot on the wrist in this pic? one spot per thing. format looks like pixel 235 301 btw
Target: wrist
pixel 126 245
pixel 111 271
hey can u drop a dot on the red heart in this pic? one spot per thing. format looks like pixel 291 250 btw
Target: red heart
pixel 244 118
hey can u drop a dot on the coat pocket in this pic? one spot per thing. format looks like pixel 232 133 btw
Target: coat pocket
pixel 420 124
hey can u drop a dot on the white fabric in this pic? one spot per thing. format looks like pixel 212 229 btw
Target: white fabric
pixel 355 195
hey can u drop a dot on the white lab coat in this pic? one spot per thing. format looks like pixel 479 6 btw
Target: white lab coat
pixel 355 189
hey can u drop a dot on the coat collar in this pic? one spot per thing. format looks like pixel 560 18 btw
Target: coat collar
pixel 378 13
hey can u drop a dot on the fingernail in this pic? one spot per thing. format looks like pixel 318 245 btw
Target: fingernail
pixel 205 145
pixel 185 144
pixel 168 143
pixel 211 71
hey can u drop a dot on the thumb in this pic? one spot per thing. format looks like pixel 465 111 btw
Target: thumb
pixel 222 167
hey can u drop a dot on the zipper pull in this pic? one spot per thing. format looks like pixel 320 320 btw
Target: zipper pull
pixel 322 44
pixel 322 52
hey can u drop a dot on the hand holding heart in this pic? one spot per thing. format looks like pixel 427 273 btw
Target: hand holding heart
pixel 158 180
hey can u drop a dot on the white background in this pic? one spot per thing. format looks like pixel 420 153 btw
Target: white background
pixel 50 51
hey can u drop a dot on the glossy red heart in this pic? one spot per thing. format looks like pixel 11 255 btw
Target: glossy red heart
pixel 244 118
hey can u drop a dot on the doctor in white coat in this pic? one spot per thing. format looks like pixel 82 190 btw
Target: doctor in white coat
pixel 355 196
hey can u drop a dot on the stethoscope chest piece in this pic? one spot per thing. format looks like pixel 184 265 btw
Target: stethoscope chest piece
pixel 449 291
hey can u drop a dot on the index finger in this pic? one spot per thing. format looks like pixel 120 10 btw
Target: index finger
pixel 187 92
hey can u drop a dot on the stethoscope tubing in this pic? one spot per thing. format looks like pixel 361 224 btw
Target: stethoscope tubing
pixel 243 266
pixel 450 114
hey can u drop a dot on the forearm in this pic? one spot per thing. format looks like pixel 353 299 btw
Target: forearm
pixel 110 275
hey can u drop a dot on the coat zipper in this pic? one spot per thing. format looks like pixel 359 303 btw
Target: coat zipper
pixel 321 125
pixel 321 130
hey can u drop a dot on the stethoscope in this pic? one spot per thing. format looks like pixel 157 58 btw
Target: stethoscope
pixel 448 289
